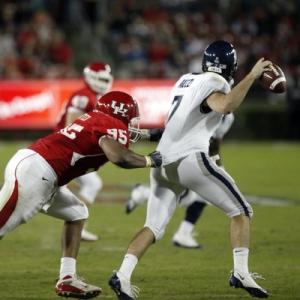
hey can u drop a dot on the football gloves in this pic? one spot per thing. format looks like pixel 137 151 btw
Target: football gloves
pixel 154 159
pixel 152 135
pixel 155 134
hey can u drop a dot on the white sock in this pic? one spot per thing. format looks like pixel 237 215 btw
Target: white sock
pixel 128 265
pixel 67 266
pixel 185 227
pixel 240 258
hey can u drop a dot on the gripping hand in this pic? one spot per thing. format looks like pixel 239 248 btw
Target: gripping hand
pixel 154 159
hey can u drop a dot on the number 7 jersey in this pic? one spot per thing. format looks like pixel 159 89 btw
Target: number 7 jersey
pixel 74 150
pixel 189 128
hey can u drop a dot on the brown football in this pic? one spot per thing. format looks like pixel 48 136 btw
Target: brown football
pixel 274 81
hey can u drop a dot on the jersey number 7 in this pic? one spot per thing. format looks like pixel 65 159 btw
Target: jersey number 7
pixel 176 102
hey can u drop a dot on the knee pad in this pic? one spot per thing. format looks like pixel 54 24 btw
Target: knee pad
pixel 82 212
pixel 66 206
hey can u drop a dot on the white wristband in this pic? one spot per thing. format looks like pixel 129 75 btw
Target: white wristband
pixel 148 162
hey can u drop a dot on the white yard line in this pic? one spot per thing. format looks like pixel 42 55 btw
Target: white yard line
pixel 268 201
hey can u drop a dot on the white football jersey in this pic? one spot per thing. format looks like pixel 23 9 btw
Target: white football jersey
pixel 188 128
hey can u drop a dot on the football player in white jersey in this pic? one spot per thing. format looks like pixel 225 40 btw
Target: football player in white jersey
pixel 198 103
pixel 36 178
pixel 98 81
pixel 195 204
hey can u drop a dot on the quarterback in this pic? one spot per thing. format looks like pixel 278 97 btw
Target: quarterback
pixel 195 204
pixel 198 103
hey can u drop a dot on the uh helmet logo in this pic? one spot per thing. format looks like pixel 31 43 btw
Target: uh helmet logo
pixel 118 109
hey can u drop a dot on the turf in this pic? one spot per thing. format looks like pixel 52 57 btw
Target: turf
pixel 30 255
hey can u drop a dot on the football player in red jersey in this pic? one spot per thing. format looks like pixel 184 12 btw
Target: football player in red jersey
pixel 36 177
pixel 98 81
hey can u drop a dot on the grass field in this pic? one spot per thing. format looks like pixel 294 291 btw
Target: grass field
pixel 30 255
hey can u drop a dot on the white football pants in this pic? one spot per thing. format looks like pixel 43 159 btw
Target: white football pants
pixel 31 186
pixel 199 173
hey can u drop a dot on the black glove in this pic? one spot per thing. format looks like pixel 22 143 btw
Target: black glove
pixel 156 159
pixel 155 134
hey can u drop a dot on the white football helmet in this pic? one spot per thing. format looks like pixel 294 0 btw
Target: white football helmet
pixel 97 76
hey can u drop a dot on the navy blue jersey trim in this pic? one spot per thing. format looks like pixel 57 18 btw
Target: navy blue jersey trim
pixel 184 194
pixel 204 109
pixel 225 182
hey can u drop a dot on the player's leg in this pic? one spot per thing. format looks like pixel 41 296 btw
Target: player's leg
pixel 216 185
pixel 139 196
pixel 24 191
pixel 90 185
pixel 184 236
pixel 240 242
pixel 68 207
pixel 161 206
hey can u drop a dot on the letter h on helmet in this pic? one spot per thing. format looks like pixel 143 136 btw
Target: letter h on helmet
pixel 123 107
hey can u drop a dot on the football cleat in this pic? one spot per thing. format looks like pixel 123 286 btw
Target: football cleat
pixel 122 287
pixel 88 236
pixel 72 286
pixel 246 282
pixel 186 240
pixel 134 199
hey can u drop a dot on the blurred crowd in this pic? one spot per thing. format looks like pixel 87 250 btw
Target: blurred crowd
pixel 148 39
pixel 164 39
pixel 31 43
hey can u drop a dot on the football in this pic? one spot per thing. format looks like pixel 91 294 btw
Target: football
pixel 274 81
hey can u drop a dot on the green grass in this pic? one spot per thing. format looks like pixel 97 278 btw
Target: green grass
pixel 264 169
pixel 30 255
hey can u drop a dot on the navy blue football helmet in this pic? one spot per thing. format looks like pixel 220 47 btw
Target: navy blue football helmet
pixel 220 57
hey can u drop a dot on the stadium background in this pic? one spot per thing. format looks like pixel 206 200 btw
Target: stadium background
pixel 51 40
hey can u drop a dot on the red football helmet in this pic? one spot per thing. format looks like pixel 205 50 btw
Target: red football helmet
pixel 123 107
pixel 97 76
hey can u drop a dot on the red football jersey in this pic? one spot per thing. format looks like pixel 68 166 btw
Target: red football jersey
pixel 74 151
pixel 83 100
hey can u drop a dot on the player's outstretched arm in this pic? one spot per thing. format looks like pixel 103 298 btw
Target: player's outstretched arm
pixel 226 104
pixel 127 159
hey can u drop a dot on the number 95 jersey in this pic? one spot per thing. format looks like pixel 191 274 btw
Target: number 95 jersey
pixel 189 127
pixel 74 150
